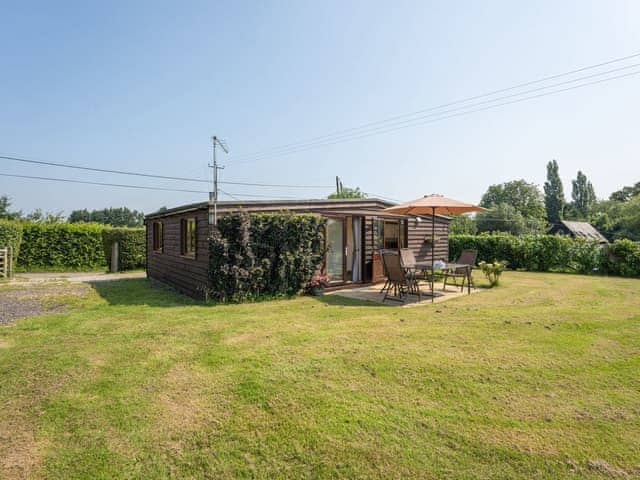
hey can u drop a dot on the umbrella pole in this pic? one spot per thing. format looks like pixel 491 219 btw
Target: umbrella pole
pixel 433 249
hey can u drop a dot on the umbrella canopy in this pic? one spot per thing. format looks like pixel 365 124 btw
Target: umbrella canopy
pixel 434 204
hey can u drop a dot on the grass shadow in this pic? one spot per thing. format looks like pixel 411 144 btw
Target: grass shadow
pixel 340 300
pixel 141 291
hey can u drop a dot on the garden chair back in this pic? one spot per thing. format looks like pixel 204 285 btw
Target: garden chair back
pixel 401 283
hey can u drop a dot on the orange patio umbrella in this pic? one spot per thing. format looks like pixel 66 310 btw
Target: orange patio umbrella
pixel 434 205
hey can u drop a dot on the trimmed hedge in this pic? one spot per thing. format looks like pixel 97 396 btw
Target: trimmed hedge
pixel 131 245
pixel 543 253
pixel 263 255
pixel 61 246
pixel 77 246
pixel 624 258
pixel 11 235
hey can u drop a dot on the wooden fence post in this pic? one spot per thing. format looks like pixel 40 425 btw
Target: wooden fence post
pixel 10 261
pixel 114 257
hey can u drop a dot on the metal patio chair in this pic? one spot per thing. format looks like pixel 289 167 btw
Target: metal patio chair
pixel 466 258
pixel 402 282
pixel 409 263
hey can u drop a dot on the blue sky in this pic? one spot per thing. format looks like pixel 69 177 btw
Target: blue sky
pixel 143 85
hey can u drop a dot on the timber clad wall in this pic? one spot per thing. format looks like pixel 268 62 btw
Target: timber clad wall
pixel 188 275
pixel 418 231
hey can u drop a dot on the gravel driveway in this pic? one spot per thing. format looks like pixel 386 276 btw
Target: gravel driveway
pixel 32 294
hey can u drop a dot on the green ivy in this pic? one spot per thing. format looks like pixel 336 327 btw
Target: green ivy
pixel 263 255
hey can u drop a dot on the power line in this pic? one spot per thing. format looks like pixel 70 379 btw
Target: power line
pixel 149 175
pixel 68 180
pixel 444 105
pixel 442 115
pixel 275 185
pixel 139 187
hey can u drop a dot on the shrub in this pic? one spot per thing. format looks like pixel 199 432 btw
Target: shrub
pixel 132 244
pixel 537 253
pixel 624 258
pixel 493 271
pixel 11 235
pixel 234 273
pixel 61 246
pixel 263 255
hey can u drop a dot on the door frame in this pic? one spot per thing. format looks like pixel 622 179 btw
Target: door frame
pixel 343 218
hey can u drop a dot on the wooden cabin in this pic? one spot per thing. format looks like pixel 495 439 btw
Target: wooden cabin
pixel 578 230
pixel 178 252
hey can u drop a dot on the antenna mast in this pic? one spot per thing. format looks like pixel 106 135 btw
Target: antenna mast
pixel 213 196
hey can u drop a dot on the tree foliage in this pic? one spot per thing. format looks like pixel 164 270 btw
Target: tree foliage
pixel 626 193
pixel 116 217
pixel 617 220
pixel 504 217
pixel 38 216
pixel 5 213
pixel 524 197
pixel 583 196
pixel 463 224
pixel 346 192
pixel 554 200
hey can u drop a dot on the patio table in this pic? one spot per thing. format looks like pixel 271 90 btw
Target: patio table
pixel 448 266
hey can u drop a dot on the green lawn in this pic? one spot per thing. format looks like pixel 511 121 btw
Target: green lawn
pixel 538 378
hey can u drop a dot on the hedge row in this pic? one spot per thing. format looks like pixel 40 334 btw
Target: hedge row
pixel 543 253
pixel 131 246
pixel 61 246
pixel 71 246
pixel 263 255
pixel 11 235
pixel 624 258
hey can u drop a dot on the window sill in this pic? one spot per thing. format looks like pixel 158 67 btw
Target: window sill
pixel 189 256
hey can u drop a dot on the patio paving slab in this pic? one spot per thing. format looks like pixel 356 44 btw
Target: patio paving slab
pixel 371 293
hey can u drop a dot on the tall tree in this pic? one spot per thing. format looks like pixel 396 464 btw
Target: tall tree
pixel 524 197
pixel 506 218
pixel 626 193
pixel 38 216
pixel 5 213
pixel 583 196
pixel 554 201
pixel 463 224
pixel 80 216
pixel 116 217
pixel 347 192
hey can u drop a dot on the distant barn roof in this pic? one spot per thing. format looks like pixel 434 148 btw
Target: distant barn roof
pixel 584 230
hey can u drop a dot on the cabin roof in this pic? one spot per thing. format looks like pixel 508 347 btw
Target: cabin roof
pixel 362 205
pixel 583 230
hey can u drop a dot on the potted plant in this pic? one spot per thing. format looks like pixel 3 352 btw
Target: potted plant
pixel 317 284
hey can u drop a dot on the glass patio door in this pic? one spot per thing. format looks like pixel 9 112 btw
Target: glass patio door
pixel 335 249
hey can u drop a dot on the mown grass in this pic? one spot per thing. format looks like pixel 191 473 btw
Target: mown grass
pixel 538 378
